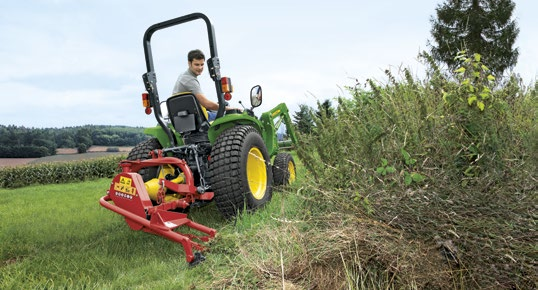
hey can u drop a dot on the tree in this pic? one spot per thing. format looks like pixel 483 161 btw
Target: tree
pixel 303 119
pixel 477 26
pixel 325 110
pixel 83 139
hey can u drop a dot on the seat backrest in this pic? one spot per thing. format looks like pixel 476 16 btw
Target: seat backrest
pixel 186 113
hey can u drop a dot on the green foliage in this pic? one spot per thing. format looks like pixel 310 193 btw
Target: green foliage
pixel 409 175
pixel 82 148
pixel 369 127
pixel 325 110
pixel 303 119
pixel 479 117
pixel 412 177
pixel 385 169
pixel 59 172
pixel 23 151
pixel 485 27
pixel 475 81
pixel 83 139
pixel 364 202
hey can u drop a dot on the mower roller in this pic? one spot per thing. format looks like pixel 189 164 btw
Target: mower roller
pixel 190 162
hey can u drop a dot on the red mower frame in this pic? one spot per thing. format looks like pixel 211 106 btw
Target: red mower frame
pixel 131 200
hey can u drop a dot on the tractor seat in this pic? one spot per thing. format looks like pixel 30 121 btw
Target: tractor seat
pixel 188 117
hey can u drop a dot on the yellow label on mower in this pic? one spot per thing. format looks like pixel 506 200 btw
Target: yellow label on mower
pixel 125 188
pixel 126 180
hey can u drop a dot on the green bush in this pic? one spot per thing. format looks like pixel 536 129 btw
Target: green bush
pixel 82 148
pixel 59 172
pixel 112 149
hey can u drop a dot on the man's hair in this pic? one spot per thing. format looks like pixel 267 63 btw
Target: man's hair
pixel 195 54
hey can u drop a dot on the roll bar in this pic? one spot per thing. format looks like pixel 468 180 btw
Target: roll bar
pixel 150 78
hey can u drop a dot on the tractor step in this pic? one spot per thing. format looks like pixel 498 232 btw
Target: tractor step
pixel 171 220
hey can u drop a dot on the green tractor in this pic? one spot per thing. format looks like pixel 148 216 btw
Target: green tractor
pixel 189 161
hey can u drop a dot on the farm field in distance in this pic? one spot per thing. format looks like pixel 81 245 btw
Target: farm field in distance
pixel 65 154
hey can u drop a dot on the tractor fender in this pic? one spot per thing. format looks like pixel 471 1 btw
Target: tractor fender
pixel 228 121
pixel 162 137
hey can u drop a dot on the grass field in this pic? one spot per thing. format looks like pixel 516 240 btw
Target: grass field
pixel 58 236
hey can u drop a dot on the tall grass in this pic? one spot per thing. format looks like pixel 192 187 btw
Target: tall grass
pixel 426 159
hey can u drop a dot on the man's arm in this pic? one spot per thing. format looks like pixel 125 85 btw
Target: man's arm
pixel 210 105
pixel 207 103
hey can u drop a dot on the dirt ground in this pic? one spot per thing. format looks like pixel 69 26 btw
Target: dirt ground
pixel 7 162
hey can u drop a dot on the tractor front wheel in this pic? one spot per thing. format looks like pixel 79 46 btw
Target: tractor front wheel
pixel 241 174
pixel 284 169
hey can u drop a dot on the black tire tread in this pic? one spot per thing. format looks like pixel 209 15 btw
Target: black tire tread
pixel 225 167
pixel 141 152
pixel 281 174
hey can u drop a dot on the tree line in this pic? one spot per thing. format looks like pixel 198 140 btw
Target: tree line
pixel 23 142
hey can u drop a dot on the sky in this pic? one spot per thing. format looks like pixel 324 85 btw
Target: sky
pixel 67 63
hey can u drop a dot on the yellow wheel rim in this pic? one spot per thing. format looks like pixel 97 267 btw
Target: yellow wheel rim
pixel 256 173
pixel 291 170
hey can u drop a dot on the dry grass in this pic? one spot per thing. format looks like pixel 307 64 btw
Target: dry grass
pixel 338 251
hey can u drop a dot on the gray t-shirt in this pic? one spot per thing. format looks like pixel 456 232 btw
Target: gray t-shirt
pixel 187 82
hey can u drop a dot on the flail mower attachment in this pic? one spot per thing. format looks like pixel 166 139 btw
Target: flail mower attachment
pixel 130 198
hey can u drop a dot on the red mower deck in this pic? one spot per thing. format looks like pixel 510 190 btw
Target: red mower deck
pixel 130 199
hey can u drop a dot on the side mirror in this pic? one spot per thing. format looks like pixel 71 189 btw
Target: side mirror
pixel 256 96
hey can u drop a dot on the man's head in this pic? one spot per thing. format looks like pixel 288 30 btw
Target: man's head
pixel 196 61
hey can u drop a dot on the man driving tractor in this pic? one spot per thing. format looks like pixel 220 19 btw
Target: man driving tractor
pixel 188 82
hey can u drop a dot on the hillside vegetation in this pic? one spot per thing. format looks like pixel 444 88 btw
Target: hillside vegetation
pixel 431 182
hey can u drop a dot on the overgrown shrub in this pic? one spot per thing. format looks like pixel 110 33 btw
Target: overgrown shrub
pixel 450 160
pixel 59 172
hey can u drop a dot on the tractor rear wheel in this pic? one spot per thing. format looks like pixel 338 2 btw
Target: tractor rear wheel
pixel 141 151
pixel 283 169
pixel 241 174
